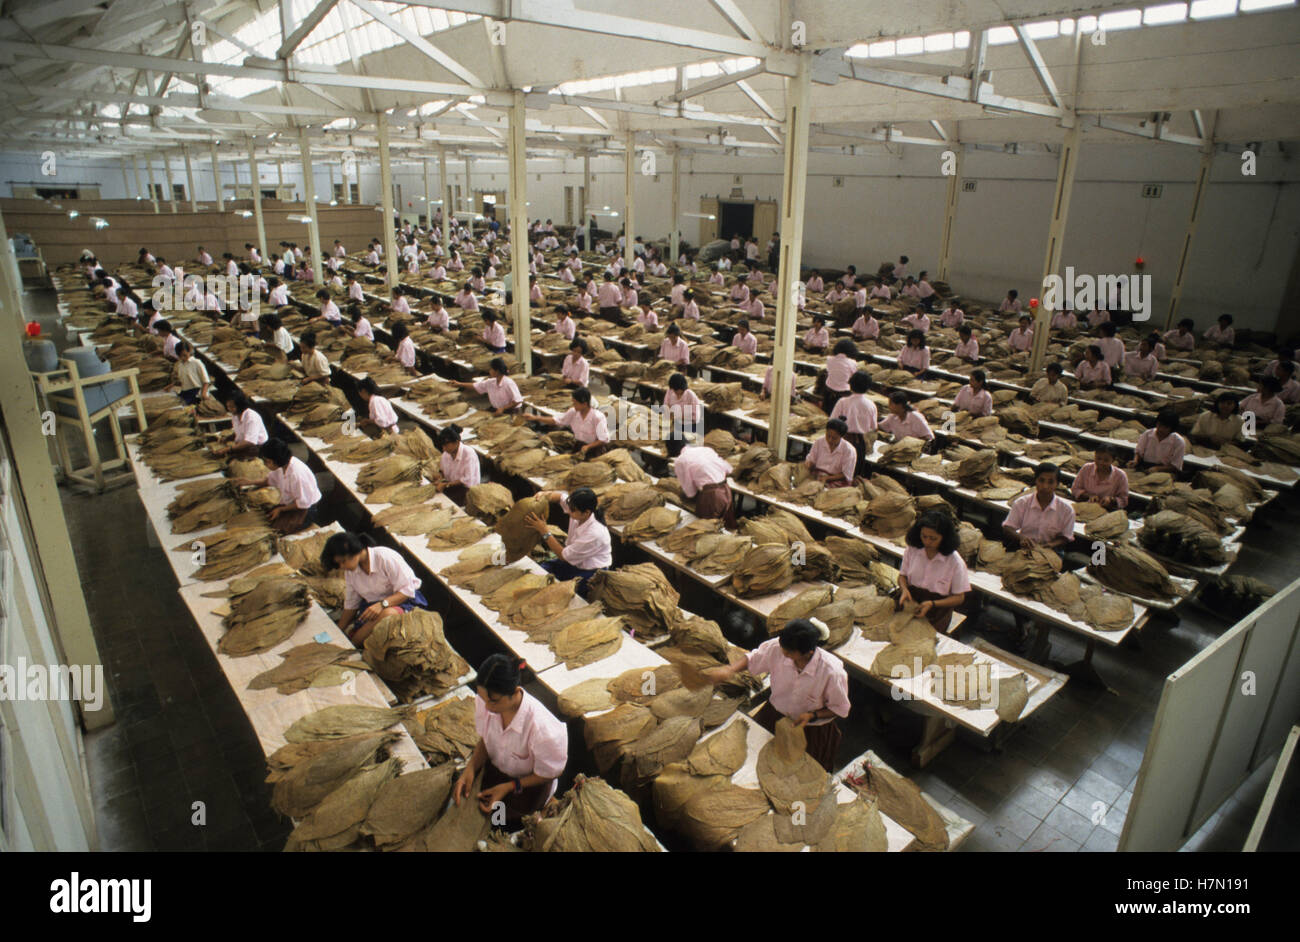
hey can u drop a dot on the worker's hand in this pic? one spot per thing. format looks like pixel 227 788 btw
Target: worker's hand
pixel 803 719
pixel 537 523
pixel 1132 464
pixel 904 596
pixel 490 796
pixel 925 608
pixel 372 612
pixel 463 784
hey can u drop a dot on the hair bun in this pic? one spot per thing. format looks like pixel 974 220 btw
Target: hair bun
pixel 823 629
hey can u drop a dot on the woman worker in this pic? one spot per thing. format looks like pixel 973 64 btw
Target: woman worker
pixel 588 425
pixel 458 463
pixel 522 747
pixel 702 473
pixel 809 686
pixel 587 547
pixel 1100 482
pixel 933 573
pixel 299 494
pixel 503 395
pixel 832 459
pixel 1041 518
pixel 249 430
pixel 379 583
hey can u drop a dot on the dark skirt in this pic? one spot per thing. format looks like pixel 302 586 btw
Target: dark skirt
pixel 940 618
pixel 563 571
pixel 291 521
pixel 519 803
pixel 714 502
pixel 190 396
pixel 831 397
pixel 823 741
pixel 863 446
pixel 456 493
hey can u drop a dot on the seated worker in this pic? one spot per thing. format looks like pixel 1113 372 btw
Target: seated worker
pixel 299 494
pixel 932 572
pixel 458 463
pixel 1221 426
pixel 587 547
pixel 379 583
pixel 1100 481
pixel 1161 448
pixel 589 425
pixel 1041 518
pixel 832 459
pixel 1051 388
pixel 503 395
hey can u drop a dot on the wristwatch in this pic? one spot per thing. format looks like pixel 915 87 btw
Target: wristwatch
pixel 384 603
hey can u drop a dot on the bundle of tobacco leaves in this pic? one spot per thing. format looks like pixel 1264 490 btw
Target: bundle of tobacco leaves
pixel 608 733
pixel 586 642
pixel 671 741
pixel 402 493
pixel 234 550
pixel 413 519
pixel 1181 538
pixel 589 696
pixel 1236 596
pixel 708 811
pixel 458 830
pixel 390 470
pixel 765 569
pixel 511 589
pixel 974 470
pixel 519 538
pixel 590 816
pixel 684 538
pixel 407 805
pixel 641 594
pixel 799 606
pixel 410 652
pixel 722 753
pixel 462 531
pixel 335 824
pixel 1133 571
pixel 789 777
pixel 622 502
pixel 1107 526
pixel 360 449
pixel 263 617
pixel 448 733
pixel 1029 569
pixel 715 553
pixel 299 786
pixel 470 562
pixel 653 523
pixel 911 647
pixel 534 611
pixel 199 505
pixel 488 502
pixel 901 800
pixel 342 720
pixel 889 515
pixel 309 665
pixel 303 553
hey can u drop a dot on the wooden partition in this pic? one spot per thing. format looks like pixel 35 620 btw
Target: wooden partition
pixel 176 236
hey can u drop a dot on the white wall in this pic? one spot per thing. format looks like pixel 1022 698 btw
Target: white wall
pixel 893 203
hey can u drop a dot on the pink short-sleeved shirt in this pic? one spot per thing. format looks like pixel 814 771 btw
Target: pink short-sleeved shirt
pixel 1087 483
pixel 592 427
pixel 535 742
pixel 1140 366
pixel 1170 451
pixel 817 338
pixel 838 370
pixel 911 426
pixel 1266 413
pixel 967 349
pixel 381 412
pixel 866 327
pixel 679 352
pixel 576 369
pixel 588 544
pixel 914 358
pixel 823 684
pixel 388 574
pixel 687 405
pixel 461 468
pixel 745 343
pixel 565 328
pixel 698 466
pixel 406 352
pixel 1031 519
pixel 296 484
pixel 858 412
pixel 943 575
pixel 1021 340
pixel 249 428
pixel 1085 372
pixel 500 395
pixel 840 462
pixel 977 404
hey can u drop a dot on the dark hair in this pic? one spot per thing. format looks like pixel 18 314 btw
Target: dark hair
pixel 1055 368
pixel 979 375
pixel 743 322
pixel 308 339
pixel 582 394
pixel 1046 467
pixel 1169 419
pixel 577 343
pixel 677 382
pixel 368 385
pixel 499 364
pixel 489 316
pixel 1225 397
pixel 354 312
pixel 939 521
pixel 1095 350
pixel 1013 293
pixel 838 425
pixel 1106 448
pixel 916 335
pixel 1283 366
pixel 449 434
pixel 342 544
pixel 846 347
pixel 674 330
pixel 275 451
pixel 322 295
pixel 1107 329
pixel 898 397
pixel 239 399
pixel 800 635
pixel 1226 317
pixel 183 346
pixel 163 327
pixel 860 381
pixel 499 674
pixel 1272 384
pixel 584 498
pixel 819 319
pixel 964 330
pixel 1187 322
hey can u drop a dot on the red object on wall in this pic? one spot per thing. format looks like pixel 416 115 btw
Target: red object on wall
pixel 33 329
pixel 1033 304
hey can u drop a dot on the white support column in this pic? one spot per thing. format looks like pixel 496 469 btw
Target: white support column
pixel 135 171
pixel 794 183
pixel 189 180
pixel 347 184
pixel 216 185
pixel 470 203
pixel 386 189
pixel 584 221
pixel 1198 198
pixel 673 247
pixel 629 161
pixel 255 177
pixel 309 199
pixel 1055 240
pixel 519 251
pixel 444 182
pixel 171 184
pixel 279 171
pixel 950 216
pixel 428 196
pixel 331 166
pixel 126 182
pixel 153 191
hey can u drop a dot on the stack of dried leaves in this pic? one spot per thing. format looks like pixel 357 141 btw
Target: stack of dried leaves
pixel 1030 569
pixel 413 519
pixel 234 550
pixel 1107 526
pixel 458 830
pixel 202 504
pixel 1236 596
pixel 765 569
pixel 407 805
pixel 588 641
pixel 534 611
pixel 641 594
pixel 708 810
pixel 911 647
pixel 653 523
pixel 519 538
pixel 309 665
pixel 303 775
pixel 1133 571
pixel 607 734
pixel 901 800
pixel 488 502
pixel 410 652
pixel 1181 538
pixel 591 816
pixel 448 733
pixel 341 721
pixel 335 824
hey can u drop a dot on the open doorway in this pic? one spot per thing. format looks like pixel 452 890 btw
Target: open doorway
pixel 735 218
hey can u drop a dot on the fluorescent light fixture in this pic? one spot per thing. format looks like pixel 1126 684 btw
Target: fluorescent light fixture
pixel 245 213
pixel 700 215
pixel 99 222
pixel 295 217
pixel 73 214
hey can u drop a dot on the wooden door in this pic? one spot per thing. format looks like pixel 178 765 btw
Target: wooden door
pixel 708 227
pixel 764 223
